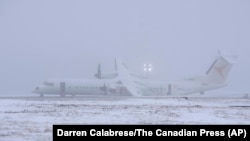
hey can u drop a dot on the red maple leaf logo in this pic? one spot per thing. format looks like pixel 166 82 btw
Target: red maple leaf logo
pixel 220 70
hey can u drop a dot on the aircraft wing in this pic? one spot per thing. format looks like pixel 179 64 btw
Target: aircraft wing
pixel 126 79
pixel 131 87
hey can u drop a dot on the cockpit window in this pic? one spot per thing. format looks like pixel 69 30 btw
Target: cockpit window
pixel 46 83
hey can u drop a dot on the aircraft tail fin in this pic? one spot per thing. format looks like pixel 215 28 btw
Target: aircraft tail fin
pixel 219 70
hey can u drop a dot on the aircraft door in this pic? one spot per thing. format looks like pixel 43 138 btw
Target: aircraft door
pixel 62 88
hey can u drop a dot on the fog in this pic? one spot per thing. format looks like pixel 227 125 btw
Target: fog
pixel 68 38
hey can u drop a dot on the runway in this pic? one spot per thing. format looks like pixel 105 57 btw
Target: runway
pixel 31 118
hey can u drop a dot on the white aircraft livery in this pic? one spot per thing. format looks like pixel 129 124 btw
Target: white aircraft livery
pixel 124 83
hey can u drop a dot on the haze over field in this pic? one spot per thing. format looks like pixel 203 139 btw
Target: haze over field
pixel 60 38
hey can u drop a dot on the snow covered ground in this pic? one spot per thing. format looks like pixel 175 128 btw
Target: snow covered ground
pixel 31 118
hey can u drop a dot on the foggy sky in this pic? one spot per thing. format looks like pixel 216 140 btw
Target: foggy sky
pixel 68 38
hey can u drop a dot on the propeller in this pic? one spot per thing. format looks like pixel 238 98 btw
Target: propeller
pixel 115 65
pixel 99 72
pixel 105 88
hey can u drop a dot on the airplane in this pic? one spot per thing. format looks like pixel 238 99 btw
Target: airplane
pixel 125 84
